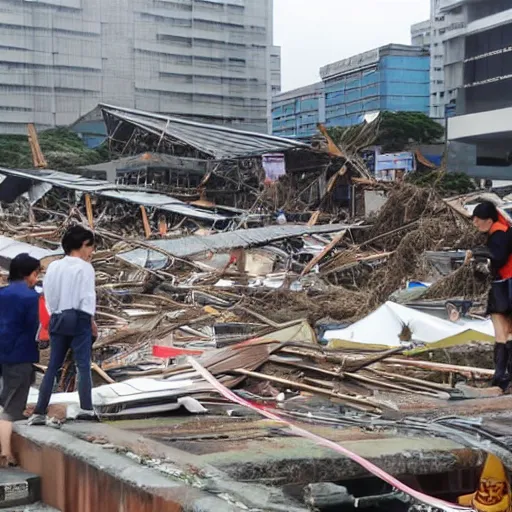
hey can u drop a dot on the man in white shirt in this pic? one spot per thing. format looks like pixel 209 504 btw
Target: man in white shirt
pixel 70 294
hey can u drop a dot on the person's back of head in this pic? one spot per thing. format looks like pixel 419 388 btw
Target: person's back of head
pixel 78 241
pixel 486 211
pixel 24 268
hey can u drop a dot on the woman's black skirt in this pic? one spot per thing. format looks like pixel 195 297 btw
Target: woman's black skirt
pixel 500 298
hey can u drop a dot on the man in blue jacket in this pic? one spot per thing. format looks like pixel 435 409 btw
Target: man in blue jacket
pixel 19 322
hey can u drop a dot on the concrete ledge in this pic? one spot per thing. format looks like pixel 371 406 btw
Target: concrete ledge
pixel 79 477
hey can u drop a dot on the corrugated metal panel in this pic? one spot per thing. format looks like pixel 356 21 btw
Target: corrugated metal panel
pixel 10 248
pixel 125 193
pixel 243 238
pixel 217 141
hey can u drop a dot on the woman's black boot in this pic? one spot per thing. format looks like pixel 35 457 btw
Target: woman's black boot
pixel 509 366
pixel 501 366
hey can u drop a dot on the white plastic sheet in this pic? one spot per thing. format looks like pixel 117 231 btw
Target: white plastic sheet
pixel 384 327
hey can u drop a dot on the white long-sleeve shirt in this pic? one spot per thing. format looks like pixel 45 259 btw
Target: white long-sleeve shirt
pixel 69 283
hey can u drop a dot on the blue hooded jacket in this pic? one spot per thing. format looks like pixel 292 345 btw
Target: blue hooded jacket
pixel 19 322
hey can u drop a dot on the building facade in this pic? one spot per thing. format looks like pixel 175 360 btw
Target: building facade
pixel 431 34
pixel 297 113
pixel 275 69
pixel 211 61
pixel 479 66
pixel 393 78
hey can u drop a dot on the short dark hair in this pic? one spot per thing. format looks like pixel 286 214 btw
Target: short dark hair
pixel 75 237
pixel 22 266
pixel 486 211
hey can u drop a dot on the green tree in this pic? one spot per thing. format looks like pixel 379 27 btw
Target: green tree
pixel 398 129
pixel 62 148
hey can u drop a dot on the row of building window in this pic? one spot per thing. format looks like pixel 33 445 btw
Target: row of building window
pixel 211 98
pixel 202 24
pixel 192 4
pixel 46 30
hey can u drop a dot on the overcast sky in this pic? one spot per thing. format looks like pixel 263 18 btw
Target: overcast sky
pixel 313 33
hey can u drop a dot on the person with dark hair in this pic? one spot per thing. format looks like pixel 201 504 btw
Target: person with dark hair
pixel 487 219
pixel 70 294
pixel 19 323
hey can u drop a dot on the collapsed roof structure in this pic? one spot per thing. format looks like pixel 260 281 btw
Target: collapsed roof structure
pixel 128 128
pixel 226 166
pixel 34 184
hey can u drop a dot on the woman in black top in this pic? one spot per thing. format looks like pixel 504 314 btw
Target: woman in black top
pixel 487 219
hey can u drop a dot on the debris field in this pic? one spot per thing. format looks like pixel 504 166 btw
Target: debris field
pixel 332 317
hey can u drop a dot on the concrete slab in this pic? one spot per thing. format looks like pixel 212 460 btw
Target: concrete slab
pixel 80 476
pixel 137 470
pixel 256 450
pixel 170 459
pixel 286 460
pixel 210 456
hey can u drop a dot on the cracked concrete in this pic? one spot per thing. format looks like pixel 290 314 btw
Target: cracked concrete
pixel 191 483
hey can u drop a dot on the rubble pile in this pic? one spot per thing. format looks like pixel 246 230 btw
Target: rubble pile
pixel 282 293
pixel 156 293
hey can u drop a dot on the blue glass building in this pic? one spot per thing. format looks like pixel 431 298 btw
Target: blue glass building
pixel 393 77
pixel 297 113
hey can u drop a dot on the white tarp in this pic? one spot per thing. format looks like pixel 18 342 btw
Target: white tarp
pixel 384 327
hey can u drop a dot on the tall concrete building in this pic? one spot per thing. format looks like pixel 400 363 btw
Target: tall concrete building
pixel 478 67
pixel 432 34
pixel 208 60
pixel 275 69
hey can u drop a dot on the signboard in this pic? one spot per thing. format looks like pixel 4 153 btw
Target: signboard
pixel 274 166
pixel 450 110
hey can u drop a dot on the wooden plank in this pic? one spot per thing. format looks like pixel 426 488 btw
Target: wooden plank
pixel 326 250
pixel 332 181
pixel 88 209
pixel 467 371
pixel 38 158
pixel 145 222
pixel 332 147
pixel 366 404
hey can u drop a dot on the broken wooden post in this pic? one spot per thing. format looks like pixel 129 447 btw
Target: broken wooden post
pixel 326 250
pixel 88 209
pixel 145 222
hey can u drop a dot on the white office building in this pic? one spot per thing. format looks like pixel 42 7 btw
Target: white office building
pixel 478 67
pixel 208 60
pixel 432 33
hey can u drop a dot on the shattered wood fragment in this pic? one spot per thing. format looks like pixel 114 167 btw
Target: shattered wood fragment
pixel 353 401
pixel 319 257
